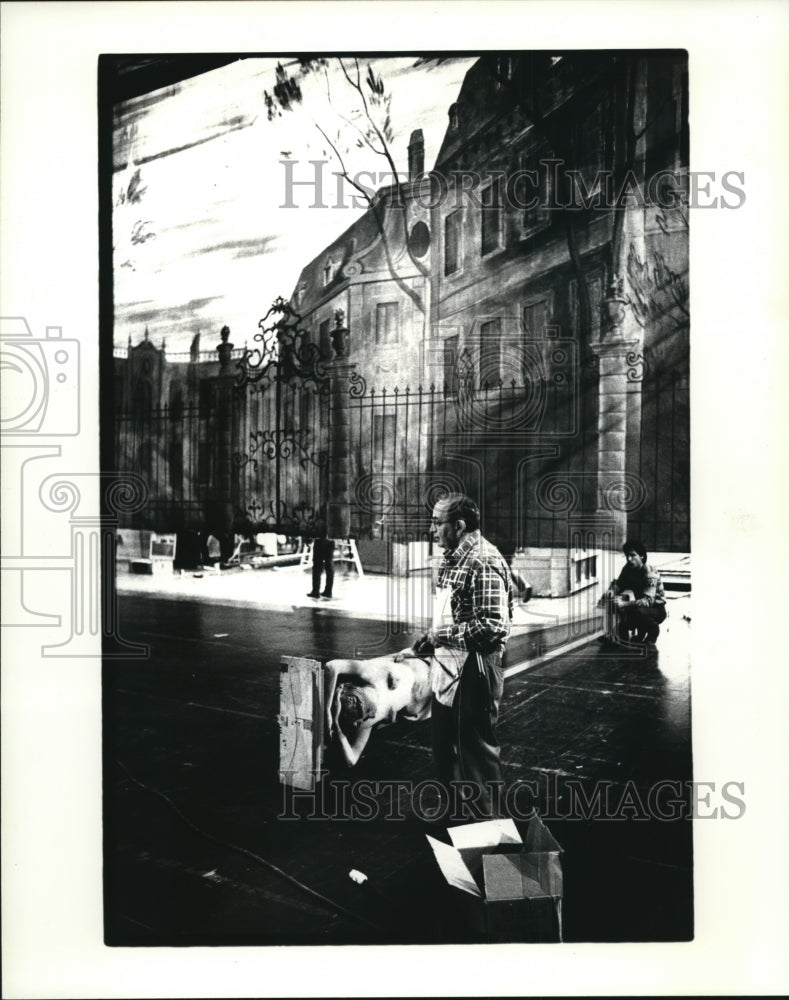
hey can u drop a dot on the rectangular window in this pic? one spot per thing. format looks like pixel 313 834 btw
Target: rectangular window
pixel 491 217
pixel 387 325
pixel 324 335
pixel 451 364
pixel 590 154
pixel 490 354
pixel 384 426
pixel 535 320
pixel 534 190
pixel 452 232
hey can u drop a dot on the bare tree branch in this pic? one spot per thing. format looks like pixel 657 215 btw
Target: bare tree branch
pixel 402 284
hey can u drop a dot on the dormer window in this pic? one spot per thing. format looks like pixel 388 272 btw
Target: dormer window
pixel 329 271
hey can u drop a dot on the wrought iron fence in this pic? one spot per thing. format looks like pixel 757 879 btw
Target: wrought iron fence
pixel 170 449
pixel 494 443
pixel 408 446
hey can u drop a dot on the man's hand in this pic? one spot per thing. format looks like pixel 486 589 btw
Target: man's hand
pixel 426 644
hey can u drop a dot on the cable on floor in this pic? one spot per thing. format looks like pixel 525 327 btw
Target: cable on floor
pixel 338 907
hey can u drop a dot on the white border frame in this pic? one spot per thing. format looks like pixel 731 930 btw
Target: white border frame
pixel 52 926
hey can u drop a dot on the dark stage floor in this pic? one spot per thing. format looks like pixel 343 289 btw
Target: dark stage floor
pixel 196 851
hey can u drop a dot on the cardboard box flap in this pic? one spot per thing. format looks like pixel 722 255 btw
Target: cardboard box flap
pixel 453 867
pixel 538 838
pixel 487 834
pixel 474 840
pixel 522 876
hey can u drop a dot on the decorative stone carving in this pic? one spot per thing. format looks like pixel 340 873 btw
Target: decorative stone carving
pixel 224 349
pixel 339 336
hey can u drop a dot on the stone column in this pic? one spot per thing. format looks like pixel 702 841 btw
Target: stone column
pixel 340 372
pixel 619 350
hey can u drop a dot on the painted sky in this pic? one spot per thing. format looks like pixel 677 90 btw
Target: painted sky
pixel 200 235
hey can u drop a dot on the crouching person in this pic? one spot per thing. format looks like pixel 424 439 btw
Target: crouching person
pixel 637 597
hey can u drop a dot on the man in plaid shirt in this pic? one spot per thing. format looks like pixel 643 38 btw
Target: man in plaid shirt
pixel 464 714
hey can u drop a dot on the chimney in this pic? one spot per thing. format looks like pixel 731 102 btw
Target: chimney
pixel 416 155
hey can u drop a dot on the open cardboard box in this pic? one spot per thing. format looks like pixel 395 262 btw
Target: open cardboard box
pixel 509 886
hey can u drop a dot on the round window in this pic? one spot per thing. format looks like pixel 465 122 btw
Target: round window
pixel 419 240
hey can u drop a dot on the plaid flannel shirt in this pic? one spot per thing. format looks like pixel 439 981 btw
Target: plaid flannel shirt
pixel 481 596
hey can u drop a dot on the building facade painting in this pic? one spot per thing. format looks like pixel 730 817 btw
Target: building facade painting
pixel 517 325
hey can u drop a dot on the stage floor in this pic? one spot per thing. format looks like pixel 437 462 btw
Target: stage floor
pixel 197 851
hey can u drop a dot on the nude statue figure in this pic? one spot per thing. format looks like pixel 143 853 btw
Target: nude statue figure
pixel 361 694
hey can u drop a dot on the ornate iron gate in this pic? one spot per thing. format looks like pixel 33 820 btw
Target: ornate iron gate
pixel 280 426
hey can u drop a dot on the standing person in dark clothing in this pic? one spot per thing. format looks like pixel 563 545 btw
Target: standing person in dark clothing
pixel 637 595
pixel 475 586
pixel 322 560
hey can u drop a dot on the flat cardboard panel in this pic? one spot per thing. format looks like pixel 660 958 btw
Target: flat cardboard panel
pixel 300 721
pixel 522 876
pixel 502 877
